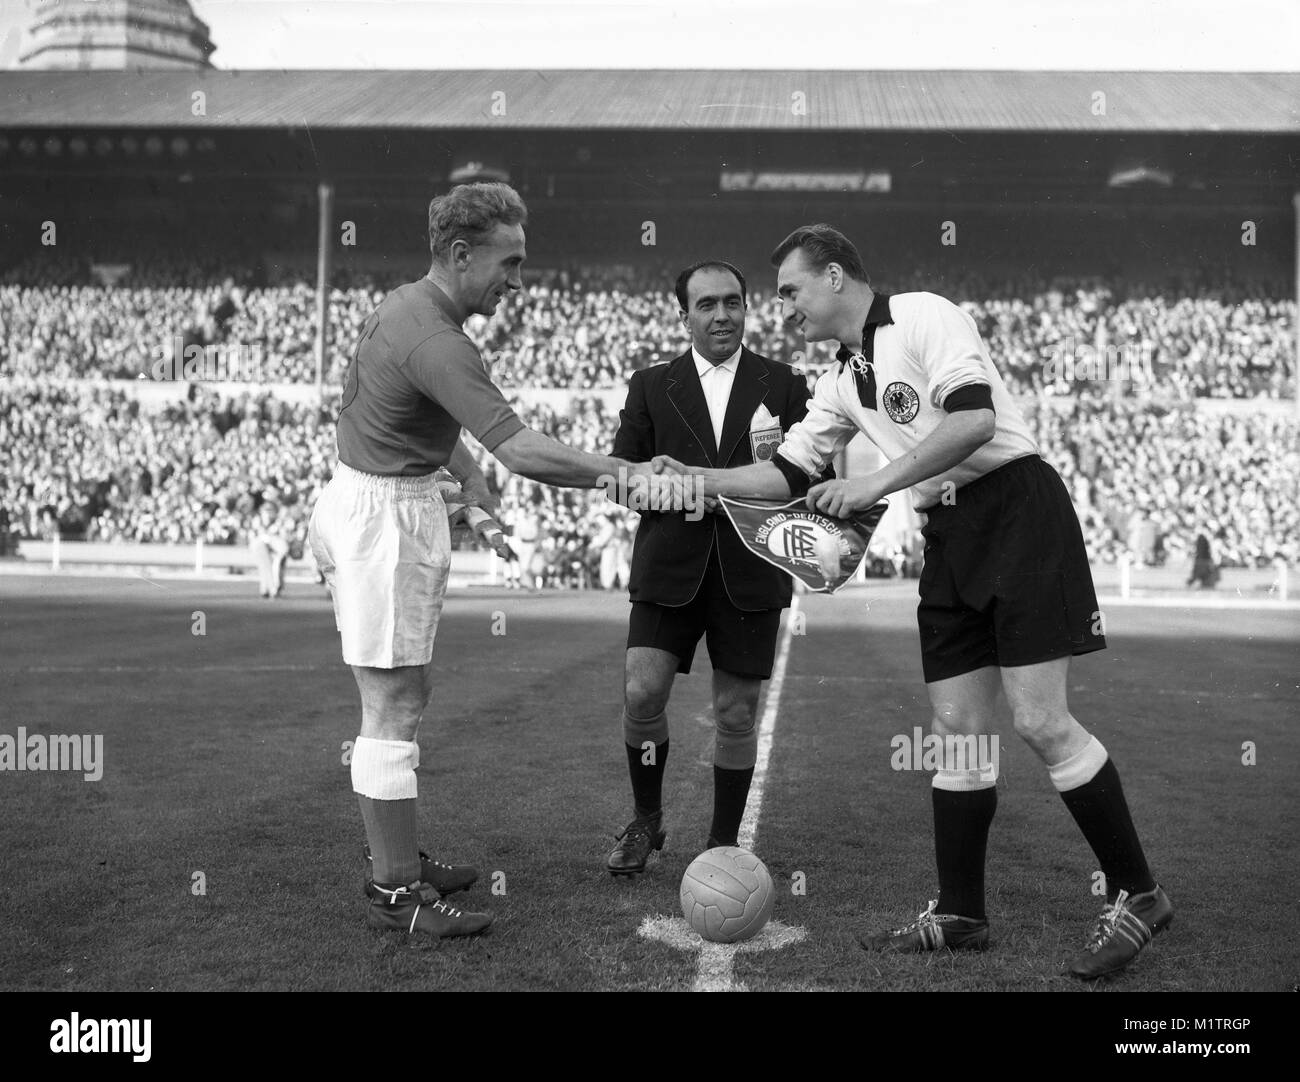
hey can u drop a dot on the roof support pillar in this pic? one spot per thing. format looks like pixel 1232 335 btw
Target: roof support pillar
pixel 325 211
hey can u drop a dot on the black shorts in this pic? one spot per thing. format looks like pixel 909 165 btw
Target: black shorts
pixel 1006 579
pixel 739 642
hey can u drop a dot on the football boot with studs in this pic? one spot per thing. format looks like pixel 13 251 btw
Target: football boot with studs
pixel 640 838
pixel 1122 932
pixel 931 931
pixel 417 908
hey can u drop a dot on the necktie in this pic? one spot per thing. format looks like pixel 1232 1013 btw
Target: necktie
pixel 860 364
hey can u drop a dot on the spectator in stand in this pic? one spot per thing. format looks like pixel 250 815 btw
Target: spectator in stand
pixel 1204 570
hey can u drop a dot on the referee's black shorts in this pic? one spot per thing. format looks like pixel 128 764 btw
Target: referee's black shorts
pixel 739 642
pixel 1006 579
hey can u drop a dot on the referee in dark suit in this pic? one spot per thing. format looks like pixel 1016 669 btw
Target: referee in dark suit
pixel 718 404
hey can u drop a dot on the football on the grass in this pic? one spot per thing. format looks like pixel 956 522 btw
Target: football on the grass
pixel 727 894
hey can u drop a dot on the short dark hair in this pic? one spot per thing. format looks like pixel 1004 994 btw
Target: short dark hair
pixel 469 212
pixel 684 279
pixel 822 245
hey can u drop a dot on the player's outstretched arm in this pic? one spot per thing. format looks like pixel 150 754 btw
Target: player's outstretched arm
pixel 543 459
pixel 761 480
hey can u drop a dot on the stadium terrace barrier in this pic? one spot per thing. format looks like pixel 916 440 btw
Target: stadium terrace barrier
pixel 468 568
pixel 1128 579
pixel 1124 581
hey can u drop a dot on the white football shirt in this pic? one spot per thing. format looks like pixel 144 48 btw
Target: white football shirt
pixel 925 348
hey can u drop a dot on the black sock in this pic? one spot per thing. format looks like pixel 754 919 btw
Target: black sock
pixel 730 791
pixel 961 834
pixel 1101 811
pixel 647 779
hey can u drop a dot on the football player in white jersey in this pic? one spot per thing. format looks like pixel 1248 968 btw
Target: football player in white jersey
pixel 1006 590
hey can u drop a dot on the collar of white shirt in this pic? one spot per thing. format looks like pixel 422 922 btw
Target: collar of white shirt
pixel 703 364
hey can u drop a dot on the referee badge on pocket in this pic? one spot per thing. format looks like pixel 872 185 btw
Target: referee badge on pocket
pixel 764 434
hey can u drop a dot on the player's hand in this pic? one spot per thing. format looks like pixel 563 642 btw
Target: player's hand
pixel 668 464
pixel 658 486
pixel 668 491
pixel 689 492
pixel 490 531
pixel 840 498
pixel 634 487
pixel 478 496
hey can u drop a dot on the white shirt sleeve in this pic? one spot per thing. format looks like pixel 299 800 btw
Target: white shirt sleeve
pixel 811 443
pixel 946 345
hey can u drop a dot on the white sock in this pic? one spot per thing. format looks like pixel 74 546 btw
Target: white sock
pixel 965 781
pixel 385 769
pixel 1080 768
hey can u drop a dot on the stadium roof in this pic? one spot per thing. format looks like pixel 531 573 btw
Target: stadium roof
pixel 699 100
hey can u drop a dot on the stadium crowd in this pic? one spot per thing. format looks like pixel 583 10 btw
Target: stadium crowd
pixel 1179 340
pixel 1148 472
pixel 1147 480
pixel 87 461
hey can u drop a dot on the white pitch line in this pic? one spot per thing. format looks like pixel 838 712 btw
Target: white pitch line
pixel 715 967
pixel 749 824
pixel 714 970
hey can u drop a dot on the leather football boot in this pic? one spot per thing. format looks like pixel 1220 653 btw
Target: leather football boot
pixel 417 908
pixel 639 839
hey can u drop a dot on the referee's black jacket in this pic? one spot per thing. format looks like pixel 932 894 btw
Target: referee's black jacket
pixel 666 414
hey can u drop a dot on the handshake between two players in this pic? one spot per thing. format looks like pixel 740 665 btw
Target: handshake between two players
pixel 674 487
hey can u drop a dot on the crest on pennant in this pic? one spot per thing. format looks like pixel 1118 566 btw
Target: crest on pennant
pixel 821 552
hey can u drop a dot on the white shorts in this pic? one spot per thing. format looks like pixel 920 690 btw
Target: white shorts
pixel 384 547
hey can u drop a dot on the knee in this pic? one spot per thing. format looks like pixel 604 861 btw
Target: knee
pixel 736 718
pixel 1042 727
pixel 643 700
pixel 395 715
pixel 948 719
pixel 642 723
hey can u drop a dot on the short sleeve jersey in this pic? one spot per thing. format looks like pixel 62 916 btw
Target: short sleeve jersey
pixel 415 380
pixel 925 348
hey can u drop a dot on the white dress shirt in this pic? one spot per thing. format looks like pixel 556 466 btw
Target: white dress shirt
pixel 716 379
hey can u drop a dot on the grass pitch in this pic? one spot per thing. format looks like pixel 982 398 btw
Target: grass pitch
pixel 221 848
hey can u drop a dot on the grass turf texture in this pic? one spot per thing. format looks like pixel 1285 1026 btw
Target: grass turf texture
pixel 223 755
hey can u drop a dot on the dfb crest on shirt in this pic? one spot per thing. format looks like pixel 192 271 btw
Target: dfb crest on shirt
pixel 901 403
pixel 821 552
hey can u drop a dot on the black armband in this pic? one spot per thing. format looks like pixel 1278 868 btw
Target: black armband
pixel 974 396
pixel 794 476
